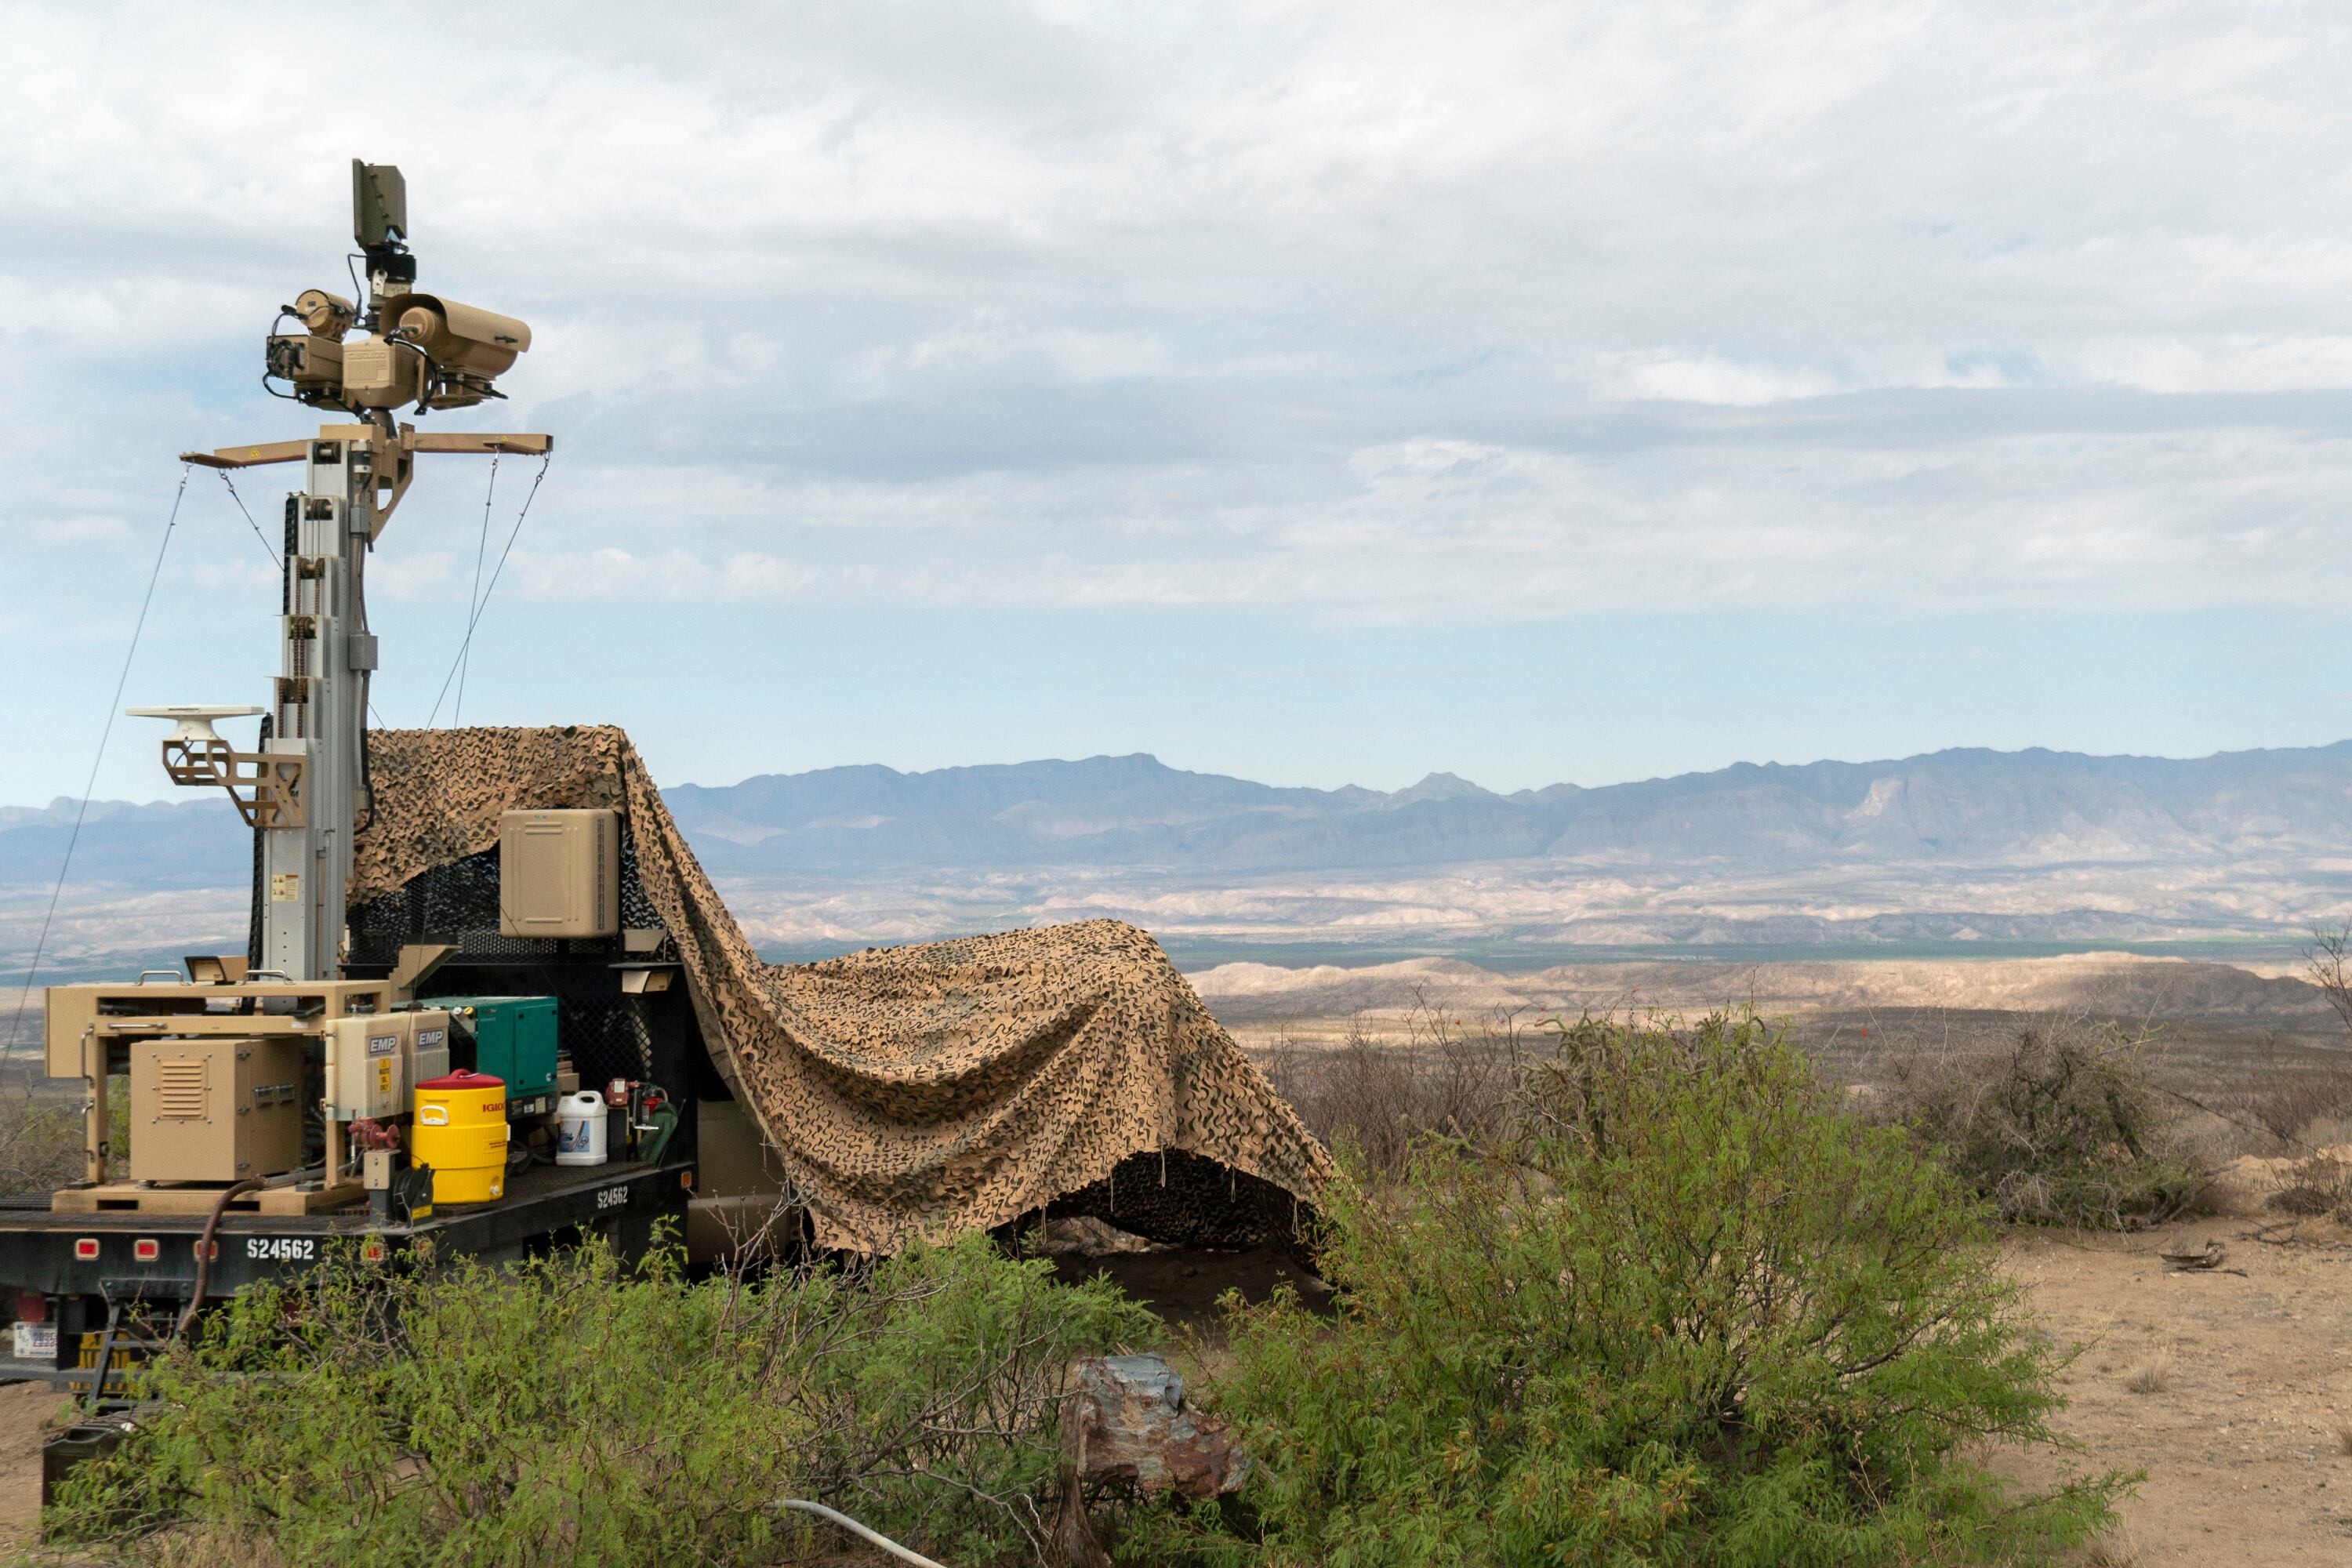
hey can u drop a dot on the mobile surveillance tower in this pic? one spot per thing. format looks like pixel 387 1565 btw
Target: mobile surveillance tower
pixel 303 787
pixel 282 1099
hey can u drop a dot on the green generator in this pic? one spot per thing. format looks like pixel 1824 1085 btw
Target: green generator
pixel 513 1039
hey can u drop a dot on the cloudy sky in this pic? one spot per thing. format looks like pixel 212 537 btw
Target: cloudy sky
pixel 1321 393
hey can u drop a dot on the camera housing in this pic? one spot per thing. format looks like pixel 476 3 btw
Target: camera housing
pixel 413 348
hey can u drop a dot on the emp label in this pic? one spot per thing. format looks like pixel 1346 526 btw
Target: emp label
pixel 281 1248
pixel 612 1197
pixel 286 887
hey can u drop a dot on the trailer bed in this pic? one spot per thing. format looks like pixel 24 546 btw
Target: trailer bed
pixel 45 1252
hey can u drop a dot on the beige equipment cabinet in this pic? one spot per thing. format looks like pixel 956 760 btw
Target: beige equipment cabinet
pixel 376 1062
pixel 560 873
pixel 250 1038
pixel 429 1049
pixel 367 1068
pixel 215 1110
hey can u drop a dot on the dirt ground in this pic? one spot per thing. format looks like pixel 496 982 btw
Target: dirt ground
pixel 2241 1449
pixel 26 1412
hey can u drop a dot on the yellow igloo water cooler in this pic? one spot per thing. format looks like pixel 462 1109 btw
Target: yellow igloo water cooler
pixel 461 1132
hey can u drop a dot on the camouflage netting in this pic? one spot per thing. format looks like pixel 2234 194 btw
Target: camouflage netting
pixel 934 1088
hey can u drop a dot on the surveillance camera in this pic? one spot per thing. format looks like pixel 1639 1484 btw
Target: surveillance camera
pixel 326 315
pixel 464 340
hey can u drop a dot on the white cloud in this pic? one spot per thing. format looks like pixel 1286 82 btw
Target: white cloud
pixel 615 574
pixel 1673 377
pixel 1413 312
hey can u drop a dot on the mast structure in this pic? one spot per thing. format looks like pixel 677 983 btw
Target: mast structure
pixel 304 786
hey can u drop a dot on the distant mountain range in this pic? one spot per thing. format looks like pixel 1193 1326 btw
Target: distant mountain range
pixel 1135 815
pixel 170 846
pixel 1963 807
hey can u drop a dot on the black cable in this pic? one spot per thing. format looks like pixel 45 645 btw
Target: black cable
pixel 476 617
pixel 41 943
pixel 253 908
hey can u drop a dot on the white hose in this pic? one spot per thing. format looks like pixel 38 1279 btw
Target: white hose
pixel 847 1523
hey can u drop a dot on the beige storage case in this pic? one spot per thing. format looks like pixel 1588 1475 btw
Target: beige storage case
pixel 560 873
pixel 215 1110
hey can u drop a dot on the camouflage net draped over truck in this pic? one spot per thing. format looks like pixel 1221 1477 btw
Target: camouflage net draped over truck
pixel 933 1088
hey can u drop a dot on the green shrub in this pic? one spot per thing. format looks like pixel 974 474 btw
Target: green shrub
pixel 2062 1125
pixel 1689 1313
pixel 569 1410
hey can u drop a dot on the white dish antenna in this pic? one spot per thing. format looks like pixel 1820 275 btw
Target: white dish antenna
pixel 194 719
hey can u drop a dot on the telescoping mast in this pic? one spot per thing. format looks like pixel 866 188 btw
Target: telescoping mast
pixel 304 786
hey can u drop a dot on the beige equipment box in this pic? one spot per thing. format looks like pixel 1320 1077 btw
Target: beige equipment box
pixel 379 1061
pixel 216 1109
pixel 560 873
pixel 428 1046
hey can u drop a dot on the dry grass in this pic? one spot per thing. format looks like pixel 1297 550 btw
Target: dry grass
pixel 2116 1548
pixel 2344 1438
pixel 1446 1078
pixel 2152 1374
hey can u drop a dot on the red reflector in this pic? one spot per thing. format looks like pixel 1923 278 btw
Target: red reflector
pixel 196 1248
pixel 85 1248
pixel 146 1251
pixel 370 1251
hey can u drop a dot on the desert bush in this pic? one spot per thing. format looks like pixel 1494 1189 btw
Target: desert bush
pixel 570 1410
pixel 2327 962
pixel 41 1139
pixel 1683 1310
pixel 2060 1125
pixel 1446 1078
pixel 2296 1093
pixel 2320 1184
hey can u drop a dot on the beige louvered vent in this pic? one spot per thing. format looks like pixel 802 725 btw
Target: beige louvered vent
pixel 180 1089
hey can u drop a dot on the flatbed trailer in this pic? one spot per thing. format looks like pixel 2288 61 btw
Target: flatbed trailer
pixel 116 1273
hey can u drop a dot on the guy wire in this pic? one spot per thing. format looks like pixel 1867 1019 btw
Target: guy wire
pixel 484 603
pixel 474 599
pixel 249 519
pixel 41 943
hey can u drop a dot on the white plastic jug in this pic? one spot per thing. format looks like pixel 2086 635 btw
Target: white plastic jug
pixel 579 1128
